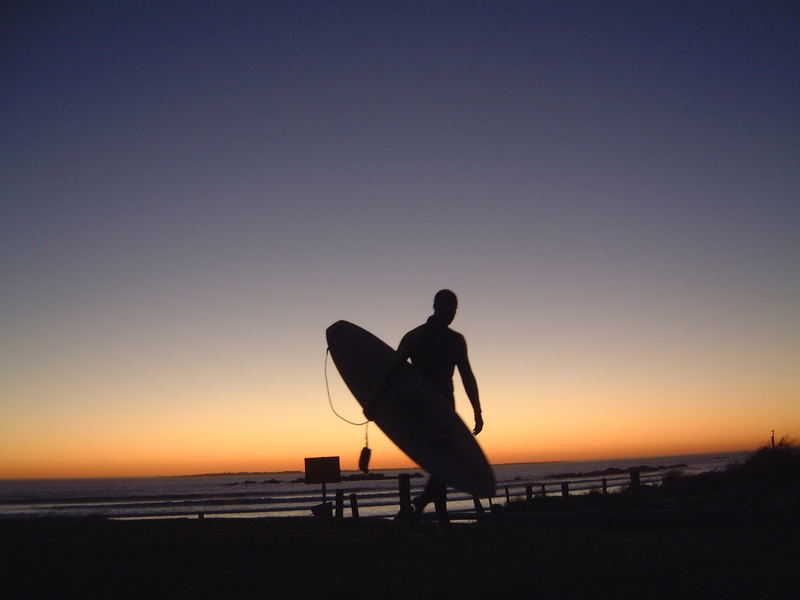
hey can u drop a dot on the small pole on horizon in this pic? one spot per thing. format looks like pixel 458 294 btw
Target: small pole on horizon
pixel 773 439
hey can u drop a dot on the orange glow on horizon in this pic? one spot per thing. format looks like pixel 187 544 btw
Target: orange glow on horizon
pixel 385 456
pixel 211 425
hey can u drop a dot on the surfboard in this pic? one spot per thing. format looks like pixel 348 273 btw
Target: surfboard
pixel 410 410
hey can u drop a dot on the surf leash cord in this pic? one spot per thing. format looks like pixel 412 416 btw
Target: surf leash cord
pixel 366 453
pixel 328 390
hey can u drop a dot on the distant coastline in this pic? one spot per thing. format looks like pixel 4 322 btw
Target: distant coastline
pixel 295 472
pixel 723 454
pixel 616 471
pixel 232 473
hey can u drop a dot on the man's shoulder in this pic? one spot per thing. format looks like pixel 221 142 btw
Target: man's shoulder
pixel 457 337
pixel 409 340
pixel 416 332
pixel 455 334
pixel 426 330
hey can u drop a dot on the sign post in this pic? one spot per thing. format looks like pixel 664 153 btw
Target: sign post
pixel 324 470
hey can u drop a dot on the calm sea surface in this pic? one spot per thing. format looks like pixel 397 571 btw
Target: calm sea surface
pixel 280 494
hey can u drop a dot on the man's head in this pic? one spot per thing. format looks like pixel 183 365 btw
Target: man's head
pixel 445 304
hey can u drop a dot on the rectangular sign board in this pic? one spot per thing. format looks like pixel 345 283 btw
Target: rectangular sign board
pixel 323 469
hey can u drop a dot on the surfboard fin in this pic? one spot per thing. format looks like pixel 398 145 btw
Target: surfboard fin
pixel 363 460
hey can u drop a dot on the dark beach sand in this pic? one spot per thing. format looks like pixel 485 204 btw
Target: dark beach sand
pixel 725 553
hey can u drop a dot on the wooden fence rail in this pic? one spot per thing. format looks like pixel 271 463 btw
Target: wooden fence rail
pixel 602 484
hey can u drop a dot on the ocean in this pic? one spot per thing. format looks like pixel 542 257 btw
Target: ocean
pixel 284 494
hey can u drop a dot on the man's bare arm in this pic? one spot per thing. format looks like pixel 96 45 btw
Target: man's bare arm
pixel 471 388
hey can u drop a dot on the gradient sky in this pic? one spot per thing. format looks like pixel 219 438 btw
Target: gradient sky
pixel 193 191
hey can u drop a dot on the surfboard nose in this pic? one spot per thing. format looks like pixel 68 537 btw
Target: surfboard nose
pixel 331 332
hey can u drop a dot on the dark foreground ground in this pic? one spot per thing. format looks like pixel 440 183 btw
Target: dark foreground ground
pixel 724 552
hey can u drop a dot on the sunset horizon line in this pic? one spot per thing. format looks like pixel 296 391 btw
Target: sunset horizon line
pixel 377 468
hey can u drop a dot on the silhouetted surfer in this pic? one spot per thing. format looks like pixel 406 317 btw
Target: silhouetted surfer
pixel 435 351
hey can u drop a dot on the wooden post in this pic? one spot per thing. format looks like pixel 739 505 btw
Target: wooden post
pixel 404 483
pixel 508 497
pixel 544 491
pixel 478 506
pixel 635 480
pixel 324 499
pixel 636 486
pixel 339 505
pixel 529 493
pixel 565 489
pixel 605 486
pixel 354 505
